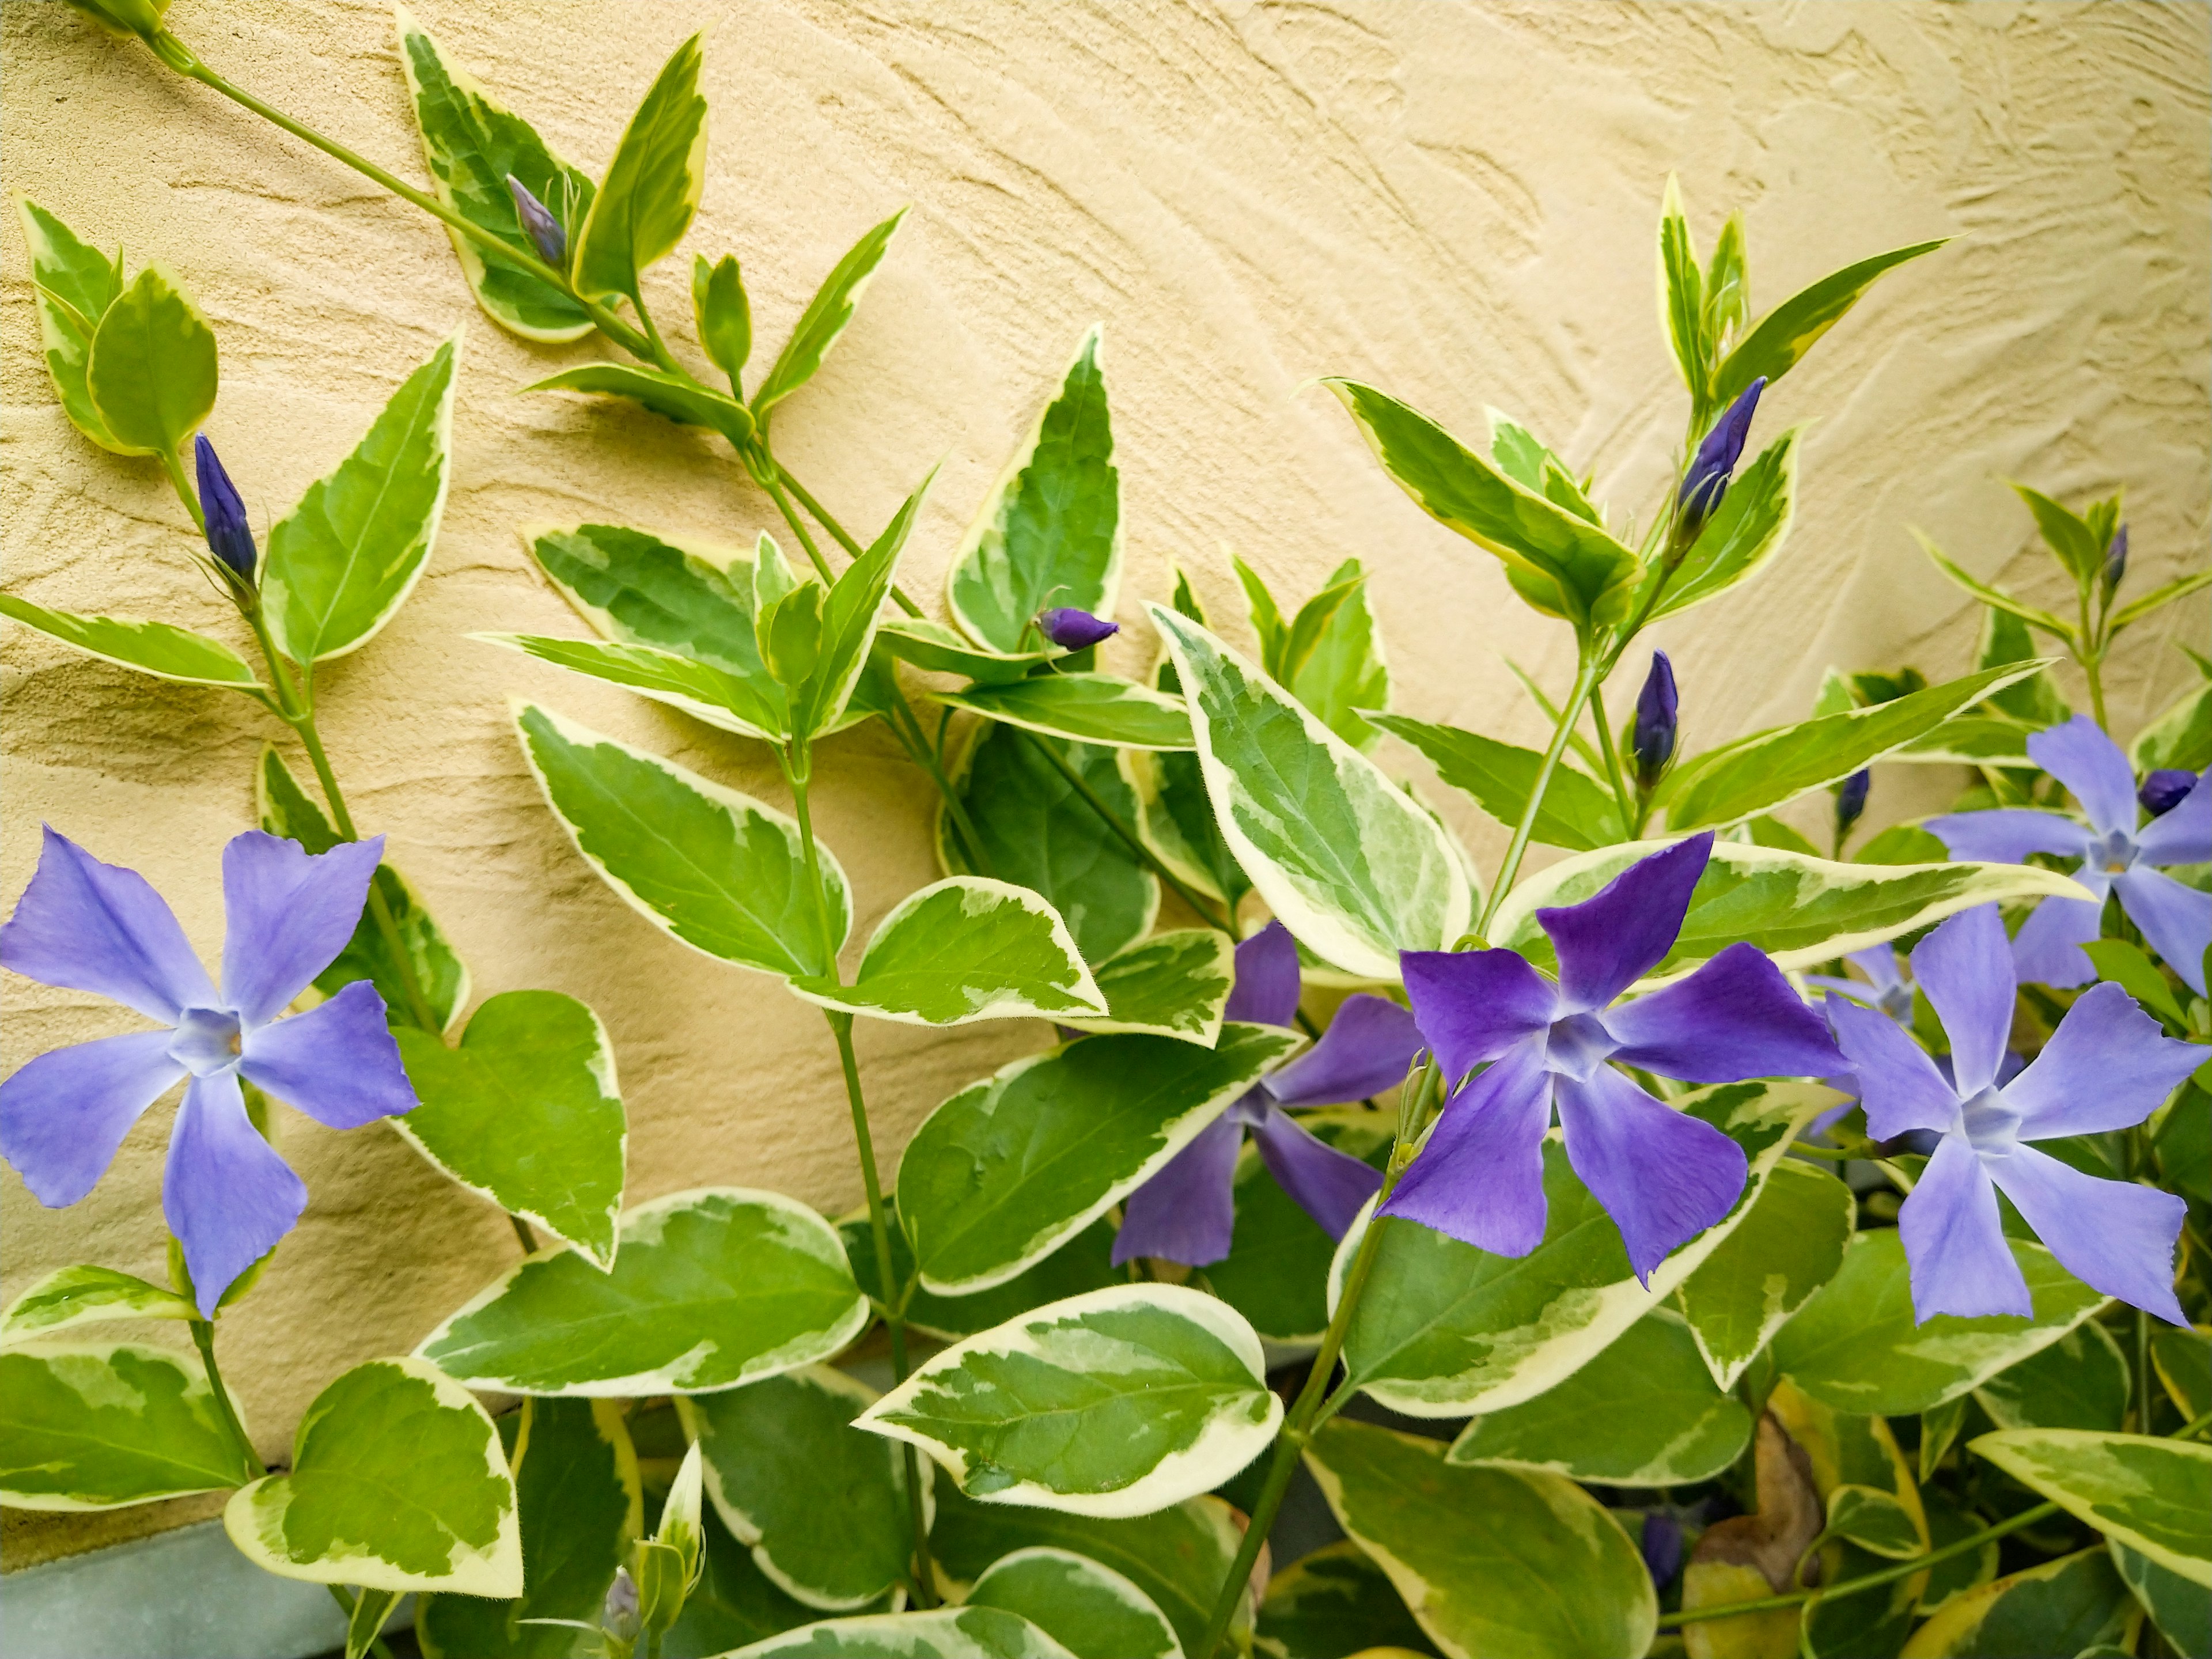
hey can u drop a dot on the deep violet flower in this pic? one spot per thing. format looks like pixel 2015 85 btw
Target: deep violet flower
pixel 2116 857
pixel 2116 563
pixel 1072 629
pixel 1662 1175
pixel 1187 1212
pixel 1851 800
pixel 539 223
pixel 1657 710
pixel 2165 789
pixel 229 537
pixel 2107 1066
pixel 92 926
pixel 1706 480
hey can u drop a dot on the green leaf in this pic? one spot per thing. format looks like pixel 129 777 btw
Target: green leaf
pixel 825 1509
pixel 2128 966
pixel 1644 1412
pixel 1174 984
pixel 1939 1428
pixel 1967 740
pixel 1092 1610
pixel 961 949
pixel 2034 703
pixel 2182 1610
pixel 579 1505
pixel 1506 1561
pixel 1276 1272
pixel 677 594
pixel 2181 737
pixel 2182 1360
pixel 1335 1600
pixel 1038 833
pixel 1116 1403
pixel 2062 1607
pixel 1901 843
pixel 1084 1263
pixel 1446 1330
pixel 1786 334
pixel 699 690
pixel 1335 660
pixel 848 623
pixel 1875 1521
pixel 1856 1347
pixel 1565 565
pixel 1755 773
pixel 398 1482
pixel 74 284
pixel 1084 706
pixel 1174 819
pixel 343 561
pixel 706 865
pixel 932 644
pixel 85 1295
pixel 940 1633
pixel 734 1602
pixel 1727 287
pixel 158 648
pixel 678 400
pixel 1009 1169
pixel 1800 911
pixel 2079 1382
pixel 1682 297
pixel 825 317
pixel 1947 1525
pixel 1577 812
pixel 2158 599
pixel 1769 831
pixel 1996 598
pixel 2150 1495
pixel 98 1428
pixel 653 185
pixel 150 373
pixel 1739 540
pixel 724 316
pixel 527 1112
pixel 1351 863
pixel 471 144
pixel 1789 1245
pixel 709 1289
pixel 2080 551
pixel 1050 532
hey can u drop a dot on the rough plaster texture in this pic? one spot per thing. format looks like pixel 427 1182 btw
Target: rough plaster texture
pixel 1455 201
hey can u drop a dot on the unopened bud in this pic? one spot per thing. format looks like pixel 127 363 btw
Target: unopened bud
pixel 545 230
pixel 229 537
pixel 1072 629
pixel 1657 705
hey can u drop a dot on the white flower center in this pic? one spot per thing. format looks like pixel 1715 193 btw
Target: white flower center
pixel 1576 1045
pixel 2113 854
pixel 1990 1124
pixel 208 1040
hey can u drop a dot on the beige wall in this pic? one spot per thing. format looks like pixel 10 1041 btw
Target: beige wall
pixel 1454 201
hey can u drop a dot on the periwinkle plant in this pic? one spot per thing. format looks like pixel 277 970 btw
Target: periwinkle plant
pixel 1312 1115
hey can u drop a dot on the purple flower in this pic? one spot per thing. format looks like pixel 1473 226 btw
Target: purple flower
pixel 1657 704
pixel 537 222
pixel 228 535
pixel 1714 464
pixel 2106 1067
pixel 1662 1175
pixel 1660 1543
pixel 92 926
pixel 1187 1212
pixel 2116 563
pixel 1883 988
pixel 1075 631
pixel 2116 857
pixel 2165 789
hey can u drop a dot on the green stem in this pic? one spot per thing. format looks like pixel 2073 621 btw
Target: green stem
pixel 822 517
pixel 377 1645
pixel 2092 667
pixel 768 477
pixel 1611 754
pixel 910 733
pixel 204 1340
pixel 1588 677
pixel 172 463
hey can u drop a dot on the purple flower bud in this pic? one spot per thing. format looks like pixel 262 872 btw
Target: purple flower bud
pixel 1850 799
pixel 1075 631
pixel 2162 791
pixel 2115 561
pixel 1660 1544
pixel 1653 740
pixel 620 1612
pixel 228 535
pixel 1714 464
pixel 544 229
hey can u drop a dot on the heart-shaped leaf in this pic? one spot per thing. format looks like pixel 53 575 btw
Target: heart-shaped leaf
pixel 1092 1610
pixel 151 370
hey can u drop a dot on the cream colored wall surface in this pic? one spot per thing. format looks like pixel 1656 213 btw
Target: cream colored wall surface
pixel 1454 201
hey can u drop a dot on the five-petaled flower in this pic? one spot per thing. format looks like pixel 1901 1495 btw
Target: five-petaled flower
pixel 1072 629
pixel 92 926
pixel 2107 1066
pixel 1663 1176
pixel 2116 857
pixel 1187 1212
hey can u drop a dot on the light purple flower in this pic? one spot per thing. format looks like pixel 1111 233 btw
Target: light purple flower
pixel 92 926
pixel 1187 1212
pixel 1662 1175
pixel 2107 1066
pixel 1883 988
pixel 1072 629
pixel 2117 857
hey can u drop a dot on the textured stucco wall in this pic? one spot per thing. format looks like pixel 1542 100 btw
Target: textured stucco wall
pixel 1455 201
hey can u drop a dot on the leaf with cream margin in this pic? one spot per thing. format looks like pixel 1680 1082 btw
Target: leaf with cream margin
pixel 1115 1403
pixel 1276 1272
pixel 87 1426
pixel 1789 1245
pixel 1335 1600
pixel 939 1633
pixel 1092 1610
pixel 1743 536
pixel 1875 1520
pixel 2081 1381
pixel 1489 1560
pixel 2149 1494
pixel 2181 737
pixel 1856 1346
pixel 150 373
pixel 2063 1606
pixel 1800 911
pixel 715 869
pixel 2182 1360
pixel 1010 1167
pixel 2182 1610
pixel 932 644
pixel 1576 811
pixel 161 649
pixel 74 284
pixel 710 1289
pixel 653 185
pixel 1777 341
pixel 1048 532
pixel 1174 984
pixel 825 317
pixel 85 1295
pixel 684 402
pixel 398 1482
pixel 1446 1330
pixel 697 688
pixel 961 949
pixel 1351 863
pixel 1085 708
pixel 1083 1263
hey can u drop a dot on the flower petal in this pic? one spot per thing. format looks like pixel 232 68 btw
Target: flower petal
pixel 337 1062
pixel 86 926
pixel 1899 1085
pixel 2108 1066
pixel 1368 1048
pixel 62 1115
pixel 1735 1018
pixel 2177 921
pixel 1662 1175
pixel 2113 1235
pixel 2183 833
pixel 1473 1006
pixel 1480 1177
pixel 1188 1212
pixel 2090 764
pixel 1879 963
pixel 1610 940
pixel 2047 949
pixel 227 1196
pixel 1328 1185
pixel 2007 834
pixel 1966 968
pixel 289 913
pixel 1954 1241
pixel 1266 988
